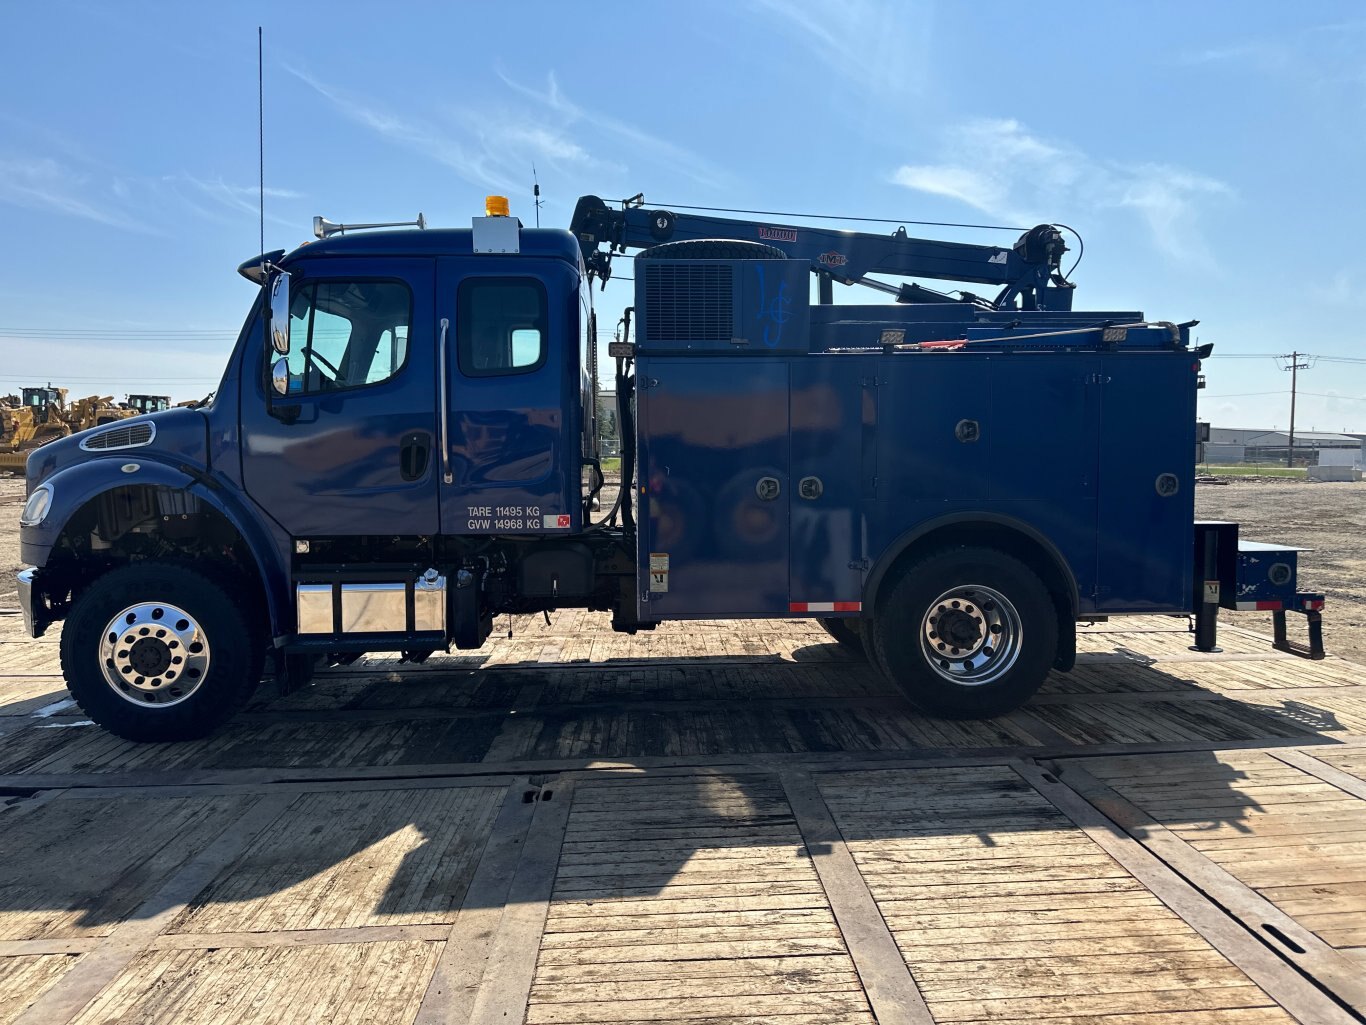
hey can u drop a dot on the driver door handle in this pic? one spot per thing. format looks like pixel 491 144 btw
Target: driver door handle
pixel 413 453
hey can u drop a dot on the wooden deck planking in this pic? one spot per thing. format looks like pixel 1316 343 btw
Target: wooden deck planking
pixel 24 979
pixel 346 860
pixel 974 922
pixel 675 893
pixel 1295 839
pixel 77 868
pixel 345 984
pixel 653 928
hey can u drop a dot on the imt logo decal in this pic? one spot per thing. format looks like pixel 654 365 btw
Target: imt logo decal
pixel 833 259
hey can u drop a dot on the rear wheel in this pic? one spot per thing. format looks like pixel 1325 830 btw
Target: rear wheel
pixel 966 632
pixel 155 652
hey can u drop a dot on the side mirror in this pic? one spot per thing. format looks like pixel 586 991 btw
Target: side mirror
pixel 279 313
pixel 279 376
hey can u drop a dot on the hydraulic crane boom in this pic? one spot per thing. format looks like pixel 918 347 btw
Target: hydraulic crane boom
pixel 1027 273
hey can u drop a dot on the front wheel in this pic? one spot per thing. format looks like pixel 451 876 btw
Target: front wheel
pixel 967 633
pixel 155 652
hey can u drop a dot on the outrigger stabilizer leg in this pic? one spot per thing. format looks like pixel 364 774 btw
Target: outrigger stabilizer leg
pixel 1309 604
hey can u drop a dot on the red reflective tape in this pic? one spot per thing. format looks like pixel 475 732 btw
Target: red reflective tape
pixel 825 606
pixel 1268 606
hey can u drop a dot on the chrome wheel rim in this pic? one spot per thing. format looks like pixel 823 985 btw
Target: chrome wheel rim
pixel 971 635
pixel 154 653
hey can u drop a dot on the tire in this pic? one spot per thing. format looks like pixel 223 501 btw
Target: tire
pixel 712 249
pixel 846 632
pixel 193 662
pixel 968 595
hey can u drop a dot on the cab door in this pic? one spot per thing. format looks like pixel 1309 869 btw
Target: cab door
pixel 508 447
pixel 350 449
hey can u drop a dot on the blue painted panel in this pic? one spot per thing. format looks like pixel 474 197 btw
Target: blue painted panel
pixel 335 469
pixel 922 398
pixel 831 396
pixel 1146 539
pixel 710 429
pixel 1045 411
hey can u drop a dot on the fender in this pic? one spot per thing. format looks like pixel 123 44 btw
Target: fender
pixel 921 530
pixel 76 485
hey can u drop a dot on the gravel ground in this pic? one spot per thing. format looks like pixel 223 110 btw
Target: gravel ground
pixel 1330 518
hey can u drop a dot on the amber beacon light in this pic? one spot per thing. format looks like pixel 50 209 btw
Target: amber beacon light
pixel 496 206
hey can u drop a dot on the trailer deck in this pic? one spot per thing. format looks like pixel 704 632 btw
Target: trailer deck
pixel 722 822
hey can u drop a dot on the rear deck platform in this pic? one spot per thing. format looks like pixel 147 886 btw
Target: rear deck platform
pixel 715 823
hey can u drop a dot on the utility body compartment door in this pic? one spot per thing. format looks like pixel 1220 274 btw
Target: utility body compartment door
pixel 1146 509
pixel 833 415
pixel 716 488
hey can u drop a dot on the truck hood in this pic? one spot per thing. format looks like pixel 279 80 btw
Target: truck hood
pixel 179 435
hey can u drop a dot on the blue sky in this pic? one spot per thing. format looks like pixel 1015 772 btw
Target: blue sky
pixel 1211 154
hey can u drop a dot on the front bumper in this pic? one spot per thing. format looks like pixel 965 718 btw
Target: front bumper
pixel 33 625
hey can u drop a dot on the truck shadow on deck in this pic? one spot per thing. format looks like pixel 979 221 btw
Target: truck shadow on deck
pixel 342 857
pixel 727 843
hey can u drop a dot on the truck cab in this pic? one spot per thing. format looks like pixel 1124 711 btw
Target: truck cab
pixel 404 445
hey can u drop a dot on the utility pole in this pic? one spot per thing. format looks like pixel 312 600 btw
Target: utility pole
pixel 1295 367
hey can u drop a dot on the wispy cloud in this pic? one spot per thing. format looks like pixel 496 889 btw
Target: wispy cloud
pixel 1323 58
pixel 882 45
pixel 489 148
pixel 60 176
pixel 621 135
pixel 216 199
pixel 41 183
pixel 1003 170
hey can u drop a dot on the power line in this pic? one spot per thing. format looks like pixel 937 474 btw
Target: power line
pixel 1240 394
pixel 26 381
pixel 837 217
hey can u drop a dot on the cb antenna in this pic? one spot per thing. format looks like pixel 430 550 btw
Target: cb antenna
pixel 261 145
pixel 536 194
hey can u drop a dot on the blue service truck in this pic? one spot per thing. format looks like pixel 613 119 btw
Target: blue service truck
pixel 404 446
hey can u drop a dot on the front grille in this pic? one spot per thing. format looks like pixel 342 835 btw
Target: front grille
pixel 129 436
pixel 688 301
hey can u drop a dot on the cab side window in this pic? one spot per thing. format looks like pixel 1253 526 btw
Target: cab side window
pixel 347 334
pixel 501 326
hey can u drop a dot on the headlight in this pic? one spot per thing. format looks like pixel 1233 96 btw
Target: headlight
pixel 37 506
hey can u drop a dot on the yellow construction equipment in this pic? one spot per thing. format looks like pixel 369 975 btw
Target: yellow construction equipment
pixel 43 415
